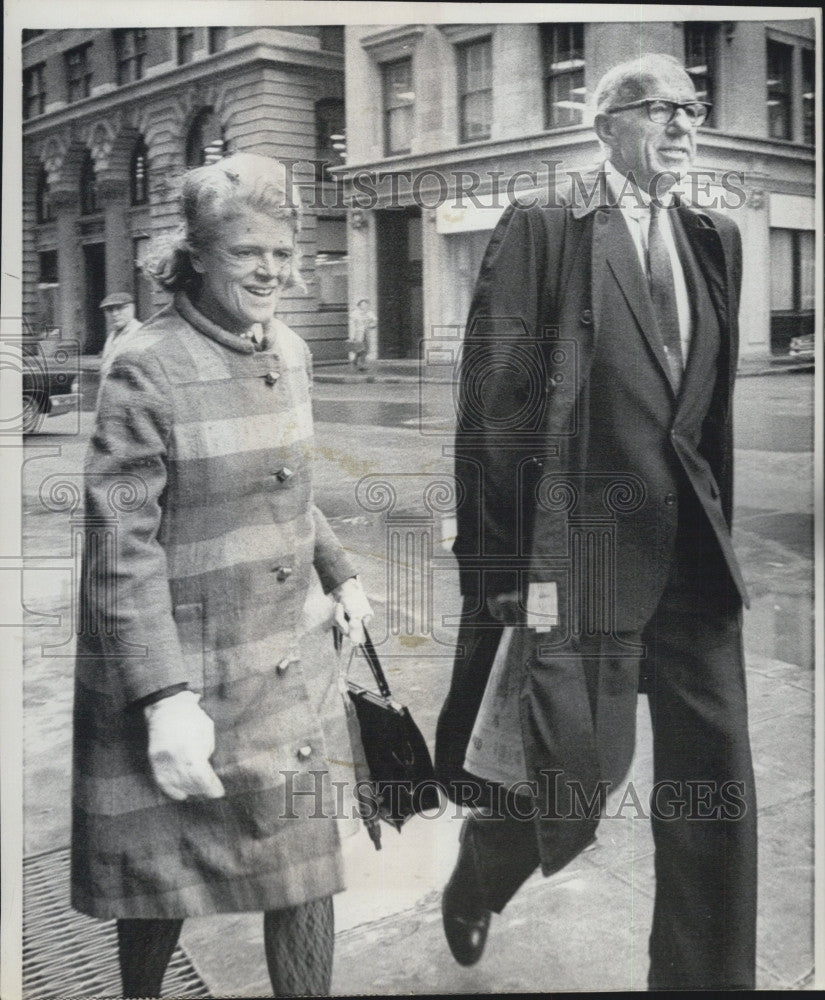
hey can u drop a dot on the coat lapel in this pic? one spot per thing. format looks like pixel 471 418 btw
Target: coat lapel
pixel 707 249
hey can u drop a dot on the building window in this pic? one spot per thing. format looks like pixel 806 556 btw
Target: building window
pixel 205 143
pixel 44 206
pixel 475 89
pixel 34 90
pixel 793 284
pixel 780 62
pixel 78 73
pixel 701 60
pixel 89 203
pixel 332 37
pixel 48 267
pixel 399 100
pixel 139 174
pixel 218 37
pixel 331 263
pixel 185 45
pixel 130 54
pixel 808 97
pixel 48 290
pixel 564 90
pixel 330 136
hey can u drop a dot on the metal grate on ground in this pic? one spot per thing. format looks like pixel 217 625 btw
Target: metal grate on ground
pixel 67 956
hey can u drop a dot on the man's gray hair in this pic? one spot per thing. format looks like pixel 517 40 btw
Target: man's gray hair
pixel 629 81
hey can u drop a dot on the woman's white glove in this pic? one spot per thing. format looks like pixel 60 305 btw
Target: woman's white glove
pixel 352 609
pixel 181 741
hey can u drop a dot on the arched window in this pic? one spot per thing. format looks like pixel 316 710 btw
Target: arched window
pixel 88 186
pixel 139 174
pixel 205 143
pixel 44 206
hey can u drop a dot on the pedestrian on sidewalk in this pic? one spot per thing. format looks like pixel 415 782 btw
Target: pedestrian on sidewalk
pixel 121 324
pixel 594 537
pixel 362 326
pixel 196 744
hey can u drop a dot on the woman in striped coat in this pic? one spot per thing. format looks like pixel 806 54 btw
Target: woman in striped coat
pixel 194 732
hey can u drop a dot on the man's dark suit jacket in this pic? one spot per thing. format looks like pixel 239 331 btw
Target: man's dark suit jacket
pixel 558 287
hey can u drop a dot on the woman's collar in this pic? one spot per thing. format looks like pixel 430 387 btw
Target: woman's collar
pixel 244 345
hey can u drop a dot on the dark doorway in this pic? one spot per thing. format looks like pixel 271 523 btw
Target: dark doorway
pixel 400 295
pixel 94 264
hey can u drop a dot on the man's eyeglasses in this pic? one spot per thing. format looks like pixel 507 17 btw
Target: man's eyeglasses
pixel 662 112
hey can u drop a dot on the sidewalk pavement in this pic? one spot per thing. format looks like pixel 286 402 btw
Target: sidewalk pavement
pixel 585 929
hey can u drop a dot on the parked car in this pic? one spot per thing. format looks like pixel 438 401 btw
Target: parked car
pixel 50 367
pixel 802 348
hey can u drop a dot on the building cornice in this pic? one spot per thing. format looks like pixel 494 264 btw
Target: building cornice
pixel 472 152
pixel 458 33
pixel 401 34
pixel 239 57
pixel 573 139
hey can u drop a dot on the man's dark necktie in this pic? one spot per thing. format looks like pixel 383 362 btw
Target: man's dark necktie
pixel 663 293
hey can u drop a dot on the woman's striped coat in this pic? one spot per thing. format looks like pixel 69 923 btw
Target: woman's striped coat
pixel 202 535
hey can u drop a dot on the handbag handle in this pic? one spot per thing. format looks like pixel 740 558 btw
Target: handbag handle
pixel 371 657
pixel 375 665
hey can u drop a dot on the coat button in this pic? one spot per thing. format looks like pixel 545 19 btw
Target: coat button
pixel 587 317
pixel 670 499
pixel 272 377
pixel 283 572
pixel 283 474
pixel 304 753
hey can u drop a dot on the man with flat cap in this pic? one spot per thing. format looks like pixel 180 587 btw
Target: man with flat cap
pixel 594 458
pixel 119 310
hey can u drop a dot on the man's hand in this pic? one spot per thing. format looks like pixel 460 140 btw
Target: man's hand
pixel 352 609
pixel 181 741
pixel 506 608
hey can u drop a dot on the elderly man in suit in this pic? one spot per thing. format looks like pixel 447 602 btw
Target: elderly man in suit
pixel 594 456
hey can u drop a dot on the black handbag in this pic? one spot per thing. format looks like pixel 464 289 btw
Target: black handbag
pixel 401 770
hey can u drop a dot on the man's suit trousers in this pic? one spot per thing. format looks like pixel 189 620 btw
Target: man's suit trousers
pixel 704 812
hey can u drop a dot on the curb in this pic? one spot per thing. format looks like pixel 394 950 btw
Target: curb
pixel 377 378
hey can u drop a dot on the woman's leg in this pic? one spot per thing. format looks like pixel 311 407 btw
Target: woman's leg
pixel 144 948
pixel 299 942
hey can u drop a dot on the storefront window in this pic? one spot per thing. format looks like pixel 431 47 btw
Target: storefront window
pixel 331 263
pixel 792 286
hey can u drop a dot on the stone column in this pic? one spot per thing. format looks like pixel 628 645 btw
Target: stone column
pixel 755 310
pixel 65 206
pixel 114 196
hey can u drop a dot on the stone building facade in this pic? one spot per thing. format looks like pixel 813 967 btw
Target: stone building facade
pixel 112 118
pixel 434 109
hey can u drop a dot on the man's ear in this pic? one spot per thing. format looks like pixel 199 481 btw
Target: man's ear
pixel 196 262
pixel 603 127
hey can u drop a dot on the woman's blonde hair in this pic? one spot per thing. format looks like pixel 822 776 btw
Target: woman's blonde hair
pixel 212 195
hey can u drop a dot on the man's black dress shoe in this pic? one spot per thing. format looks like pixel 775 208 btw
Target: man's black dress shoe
pixel 466 932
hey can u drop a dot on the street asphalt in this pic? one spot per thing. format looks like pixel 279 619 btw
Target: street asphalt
pixel 586 928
